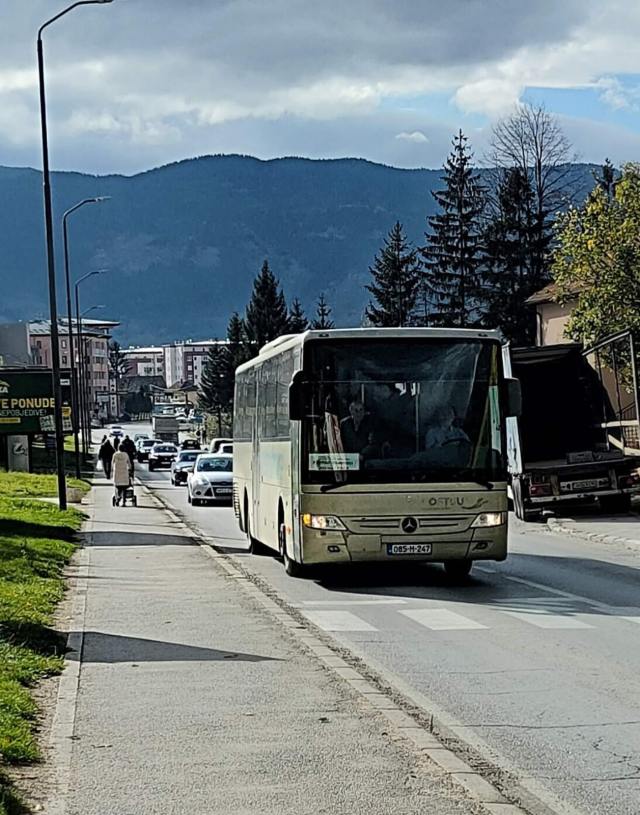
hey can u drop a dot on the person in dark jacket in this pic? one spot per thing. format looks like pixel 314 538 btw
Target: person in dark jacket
pixel 127 446
pixel 105 454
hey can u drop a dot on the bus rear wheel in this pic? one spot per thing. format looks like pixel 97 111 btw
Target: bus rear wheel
pixel 458 570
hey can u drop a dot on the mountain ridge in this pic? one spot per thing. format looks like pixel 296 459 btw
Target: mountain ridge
pixel 184 241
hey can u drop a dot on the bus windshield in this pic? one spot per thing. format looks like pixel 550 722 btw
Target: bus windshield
pixel 396 411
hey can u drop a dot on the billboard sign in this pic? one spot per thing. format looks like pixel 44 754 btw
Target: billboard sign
pixel 27 403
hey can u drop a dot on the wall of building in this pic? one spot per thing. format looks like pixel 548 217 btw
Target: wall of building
pixel 552 322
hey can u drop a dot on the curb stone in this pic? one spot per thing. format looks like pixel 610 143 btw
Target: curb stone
pixel 559 526
pixel 429 739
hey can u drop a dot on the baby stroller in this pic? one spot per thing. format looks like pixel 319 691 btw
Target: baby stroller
pixel 126 494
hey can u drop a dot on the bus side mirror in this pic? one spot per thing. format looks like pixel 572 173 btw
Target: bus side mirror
pixel 297 397
pixel 513 393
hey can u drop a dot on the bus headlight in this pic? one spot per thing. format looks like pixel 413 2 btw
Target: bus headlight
pixel 326 522
pixel 489 519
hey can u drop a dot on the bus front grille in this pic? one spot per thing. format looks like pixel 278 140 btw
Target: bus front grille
pixel 384 524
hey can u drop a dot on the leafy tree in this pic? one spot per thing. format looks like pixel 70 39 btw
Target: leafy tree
pixel 532 141
pixel 322 320
pixel 506 276
pixel 297 319
pixel 397 279
pixel 266 316
pixel 597 260
pixel 453 251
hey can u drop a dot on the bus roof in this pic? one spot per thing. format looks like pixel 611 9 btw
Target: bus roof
pixel 288 341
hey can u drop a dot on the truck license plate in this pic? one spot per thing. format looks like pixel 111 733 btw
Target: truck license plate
pixel 586 484
pixel 408 548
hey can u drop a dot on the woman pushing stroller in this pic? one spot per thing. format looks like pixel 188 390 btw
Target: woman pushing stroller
pixel 122 469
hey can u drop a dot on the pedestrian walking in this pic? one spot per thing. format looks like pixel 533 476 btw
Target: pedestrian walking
pixel 129 448
pixel 122 472
pixel 105 454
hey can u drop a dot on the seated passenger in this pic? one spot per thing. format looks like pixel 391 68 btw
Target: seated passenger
pixel 355 429
pixel 444 430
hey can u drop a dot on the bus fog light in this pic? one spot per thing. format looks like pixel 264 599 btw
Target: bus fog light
pixel 326 522
pixel 333 549
pixel 489 519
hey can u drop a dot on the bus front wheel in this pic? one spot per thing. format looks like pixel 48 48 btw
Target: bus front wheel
pixel 291 567
pixel 458 569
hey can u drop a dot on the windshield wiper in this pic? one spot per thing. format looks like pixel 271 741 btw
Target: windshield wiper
pixel 329 487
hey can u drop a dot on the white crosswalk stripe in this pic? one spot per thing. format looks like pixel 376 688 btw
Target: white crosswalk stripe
pixel 441 619
pixel 338 621
pixel 548 621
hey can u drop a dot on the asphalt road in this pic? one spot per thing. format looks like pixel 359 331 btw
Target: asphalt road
pixel 535 663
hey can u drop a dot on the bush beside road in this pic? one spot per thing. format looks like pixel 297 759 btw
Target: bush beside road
pixel 36 541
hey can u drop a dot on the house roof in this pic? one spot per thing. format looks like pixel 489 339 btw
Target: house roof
pixel 551 294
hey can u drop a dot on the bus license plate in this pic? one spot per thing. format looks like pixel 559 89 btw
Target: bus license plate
pixel 408 548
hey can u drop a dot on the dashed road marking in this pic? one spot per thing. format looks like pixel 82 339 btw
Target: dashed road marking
pixel 441 619
pixel 549 621
pixel 338 621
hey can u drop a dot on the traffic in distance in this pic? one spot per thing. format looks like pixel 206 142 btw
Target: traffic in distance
pixel 363 445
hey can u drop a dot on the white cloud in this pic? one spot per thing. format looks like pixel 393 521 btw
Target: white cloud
pixel 156 80
pixel 416 136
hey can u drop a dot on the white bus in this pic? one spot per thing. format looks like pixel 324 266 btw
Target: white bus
pixel 374 445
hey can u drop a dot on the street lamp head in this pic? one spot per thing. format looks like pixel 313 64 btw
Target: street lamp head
pixel 100 198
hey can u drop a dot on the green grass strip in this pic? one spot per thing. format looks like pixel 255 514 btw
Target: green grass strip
pixel 31 485
pixel 36 541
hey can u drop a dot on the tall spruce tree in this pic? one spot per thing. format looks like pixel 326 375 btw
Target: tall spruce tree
pixel 507 272
pixel 266 316
pixel 453 250
pixel 216 386
pixel 397 278
pixel 297 318
pixel 218 375
pixel 322 321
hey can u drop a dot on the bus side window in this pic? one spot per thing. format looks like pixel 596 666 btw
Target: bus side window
pixel 285 374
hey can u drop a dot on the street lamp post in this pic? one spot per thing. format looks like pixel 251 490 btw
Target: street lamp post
pixel 81 366
pixel 51 268
pixel 75 394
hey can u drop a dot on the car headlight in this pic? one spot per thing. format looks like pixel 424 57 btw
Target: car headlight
pixel 485 519
pixel 326 522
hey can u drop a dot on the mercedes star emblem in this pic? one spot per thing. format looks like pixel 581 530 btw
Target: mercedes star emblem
pixel 409 525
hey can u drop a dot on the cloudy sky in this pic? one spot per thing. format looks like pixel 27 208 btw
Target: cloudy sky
pixel 140 83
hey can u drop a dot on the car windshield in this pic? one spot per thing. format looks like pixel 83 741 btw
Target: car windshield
pixel 148 443
pixel 190 456
pixel 165 448
pixel 401 411
pixel 214 465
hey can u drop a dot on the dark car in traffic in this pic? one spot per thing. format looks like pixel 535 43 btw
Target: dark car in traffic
pixel 182 466
pixel 162 455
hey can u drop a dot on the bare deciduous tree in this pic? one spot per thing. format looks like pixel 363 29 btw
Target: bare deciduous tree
pixel 531 141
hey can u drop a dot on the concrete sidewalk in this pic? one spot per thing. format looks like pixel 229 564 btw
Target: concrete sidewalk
pixel 193 700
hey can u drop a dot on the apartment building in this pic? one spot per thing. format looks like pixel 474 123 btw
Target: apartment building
pixel 147 361
pixel 95 341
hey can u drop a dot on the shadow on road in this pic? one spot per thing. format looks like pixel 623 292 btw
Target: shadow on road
pixel 113 648
pixel 124 539
pixel 613 585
